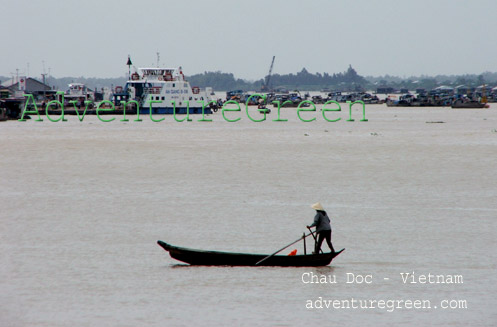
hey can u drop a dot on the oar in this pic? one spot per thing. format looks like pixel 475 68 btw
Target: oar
pixel 269 256
pixel 315 239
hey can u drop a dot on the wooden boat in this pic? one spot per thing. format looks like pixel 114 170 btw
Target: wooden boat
pixel 215 258
pixel 468 105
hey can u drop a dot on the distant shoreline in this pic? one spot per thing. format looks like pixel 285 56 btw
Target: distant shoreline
pixel 303 81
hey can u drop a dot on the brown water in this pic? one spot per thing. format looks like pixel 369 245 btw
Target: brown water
pixel 83 204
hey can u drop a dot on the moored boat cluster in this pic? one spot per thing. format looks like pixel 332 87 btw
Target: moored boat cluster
pixel 167 91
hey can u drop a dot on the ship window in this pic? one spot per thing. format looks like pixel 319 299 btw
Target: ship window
pixel 190 98
pixel 201 98
pixel 163 98
pixel 174 85
pixel 156 98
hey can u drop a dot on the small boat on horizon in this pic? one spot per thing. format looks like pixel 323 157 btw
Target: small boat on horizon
pixel 216 258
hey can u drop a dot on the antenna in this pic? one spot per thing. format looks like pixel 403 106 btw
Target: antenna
pixel 17 80
pixel 16 75
pixel 158 58
pixel 44 74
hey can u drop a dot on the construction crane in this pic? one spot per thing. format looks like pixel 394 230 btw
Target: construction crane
pixel 265 86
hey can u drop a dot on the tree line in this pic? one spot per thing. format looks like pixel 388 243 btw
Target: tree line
pixel 302 80
pixel 348 80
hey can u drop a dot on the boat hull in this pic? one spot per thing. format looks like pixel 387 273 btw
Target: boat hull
pixel 171 110
pixel 216 258
pixel 469 105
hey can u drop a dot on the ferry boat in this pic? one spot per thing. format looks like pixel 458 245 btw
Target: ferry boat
pixel 164 90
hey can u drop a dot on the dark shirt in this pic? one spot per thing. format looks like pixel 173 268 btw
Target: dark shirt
pixel 321 221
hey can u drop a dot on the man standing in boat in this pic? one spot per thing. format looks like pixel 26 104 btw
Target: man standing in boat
pixel 323 227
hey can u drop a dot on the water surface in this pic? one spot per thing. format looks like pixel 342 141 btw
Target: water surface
pixel 83 204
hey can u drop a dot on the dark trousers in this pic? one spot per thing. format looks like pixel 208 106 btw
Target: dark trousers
pixel 325 234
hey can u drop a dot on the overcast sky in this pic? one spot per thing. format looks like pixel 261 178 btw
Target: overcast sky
pixel 93 38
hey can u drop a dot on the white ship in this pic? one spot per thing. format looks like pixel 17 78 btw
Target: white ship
pixel 164 89
pixel 80 92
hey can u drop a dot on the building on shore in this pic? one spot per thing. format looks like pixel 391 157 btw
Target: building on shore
pixel 28 85
pixel 5 92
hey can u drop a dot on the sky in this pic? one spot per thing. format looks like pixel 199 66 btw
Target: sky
pixel 400 38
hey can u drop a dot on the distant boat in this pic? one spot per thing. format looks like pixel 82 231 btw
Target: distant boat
pixel 410 100
pixel 216 258
pixel 79 92
pixel 12 108
pixel 459 104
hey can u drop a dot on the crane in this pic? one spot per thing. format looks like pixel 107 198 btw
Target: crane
pixel 265 86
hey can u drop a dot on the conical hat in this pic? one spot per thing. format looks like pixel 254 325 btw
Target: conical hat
pixel 317 206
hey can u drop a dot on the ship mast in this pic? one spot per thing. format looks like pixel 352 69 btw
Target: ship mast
pixel 129 63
